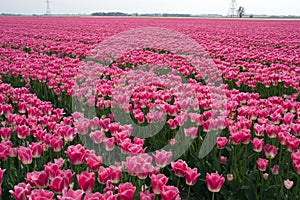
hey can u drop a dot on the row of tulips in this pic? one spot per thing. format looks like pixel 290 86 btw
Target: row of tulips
pixel 241 56
pixel 258 150
pixel 20 128
pixel 78 155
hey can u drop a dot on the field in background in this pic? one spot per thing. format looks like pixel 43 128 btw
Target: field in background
pixel 256 156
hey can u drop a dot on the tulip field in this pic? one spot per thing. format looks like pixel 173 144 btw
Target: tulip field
pixel 149 108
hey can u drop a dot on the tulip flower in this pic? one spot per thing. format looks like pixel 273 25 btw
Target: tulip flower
pixel 76 154
pixel 288 184
pixel 270 151
pixel 25 155
pixel 147 195
pixel 258 144
pixel 126 191
pixel 94 196
pixel 179 168
pixel 262 164
pixel 40 194
pixel 37 179
pixel 221 142
pixel 37 149
pixel 162 158
pixel 103 175
pixel 214 182
pixel 71 194
pixel 86 181
pixel 229 177
pixel 20 191
pixel 5 133
pixel 275 170
pixel 157 182
pixel 169 193
pixel 61 181
pixel 191 176
pixel 94 161
pixel 114 173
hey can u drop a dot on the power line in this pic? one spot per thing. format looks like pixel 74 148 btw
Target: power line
pixel 232 9
pixel 48 7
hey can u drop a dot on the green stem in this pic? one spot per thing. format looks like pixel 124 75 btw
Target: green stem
pixel 27 169
pixel 213 196
pixel 178 182
pixel 262 188
pixel 189 192
pixel 34 164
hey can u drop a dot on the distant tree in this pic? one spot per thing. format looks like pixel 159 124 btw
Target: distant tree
pixel 241 11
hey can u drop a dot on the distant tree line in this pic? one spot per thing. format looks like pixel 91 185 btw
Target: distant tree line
pixel 110 14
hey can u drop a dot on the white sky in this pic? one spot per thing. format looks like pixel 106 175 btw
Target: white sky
pixel 271 7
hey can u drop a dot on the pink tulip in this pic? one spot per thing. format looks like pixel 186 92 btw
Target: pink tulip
pixel 191 132
pixel 76 154
pixel 114 173
pixel 272 131
pixel 236 138
pixel 93 161
pixel 22 131
pixel 94 196
pixel 37 179
pixel 292 143
pixel 52 169
pixel 259 130
pixel 102 175
pixel 68 133
pixel 56 143
pixel 126 191
pixel 295 128
pixel 5 148
pixel 229 177
pixel 61 181
pixel 169 193
pixel 270 151
pixel 109 143
pixel 5 133
pixel 157 182
pixel 258 144
pixel 214 182
pixel 179 167
pixel 25 155
pixel 37 149
pixel 296 165
pixel 275 170
pixel 38 194
pixel 172 124
pixel 245 136
pixel 223 160
pixel 262 164
pixel 86 181
pixel 162 158
pixel 71 194
pixel 266 176
pixel 191 176
pixel 221 142
pixel 288 118
pixel 20 191
pixel 288 184
pixel 97 136
pixel 147 195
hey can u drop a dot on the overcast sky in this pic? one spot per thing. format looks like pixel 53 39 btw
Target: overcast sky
pixel 271 7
